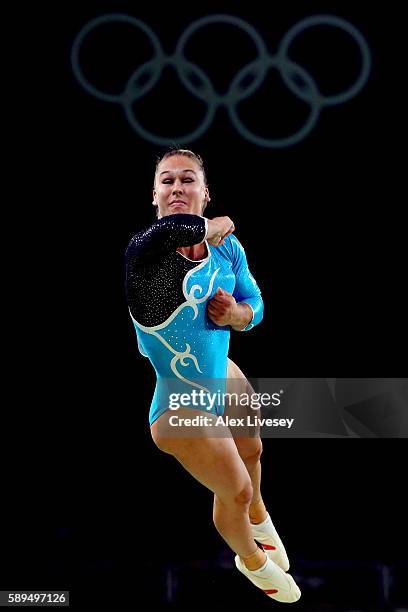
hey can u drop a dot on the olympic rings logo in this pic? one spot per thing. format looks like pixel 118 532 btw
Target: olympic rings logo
pixel 292 75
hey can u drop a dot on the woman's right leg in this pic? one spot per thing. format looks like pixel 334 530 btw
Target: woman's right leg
pixel 216 464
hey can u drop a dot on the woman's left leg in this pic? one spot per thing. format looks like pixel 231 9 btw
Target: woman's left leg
pixel 248 443
pixel 249 446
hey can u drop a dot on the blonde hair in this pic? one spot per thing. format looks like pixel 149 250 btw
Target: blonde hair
pixel 186 153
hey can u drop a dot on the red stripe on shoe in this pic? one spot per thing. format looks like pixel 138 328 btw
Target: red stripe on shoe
pixel 267 547
pixel 271 591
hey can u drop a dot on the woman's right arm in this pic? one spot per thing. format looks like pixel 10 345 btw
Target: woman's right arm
pixel 173 231
pixel 166 234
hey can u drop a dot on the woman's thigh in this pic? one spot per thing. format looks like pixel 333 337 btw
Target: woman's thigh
pixel 247 436
pixel 213 461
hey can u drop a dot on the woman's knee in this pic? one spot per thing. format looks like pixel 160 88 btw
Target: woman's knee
pixel 243 496
pixel 250 451
pixel 239 496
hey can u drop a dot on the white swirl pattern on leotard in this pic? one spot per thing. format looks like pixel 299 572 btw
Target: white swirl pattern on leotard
pixel 191 301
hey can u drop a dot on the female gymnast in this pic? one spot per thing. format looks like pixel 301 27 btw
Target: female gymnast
pixel 188 284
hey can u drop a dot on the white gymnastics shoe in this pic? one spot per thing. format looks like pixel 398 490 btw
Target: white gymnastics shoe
pixel 272 580
pixel 267 536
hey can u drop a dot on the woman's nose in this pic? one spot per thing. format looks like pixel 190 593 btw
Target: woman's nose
pixel 177 187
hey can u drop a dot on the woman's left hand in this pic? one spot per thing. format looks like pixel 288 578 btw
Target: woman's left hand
pixel 221 309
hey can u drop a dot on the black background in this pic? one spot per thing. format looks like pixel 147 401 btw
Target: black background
pixel 322 225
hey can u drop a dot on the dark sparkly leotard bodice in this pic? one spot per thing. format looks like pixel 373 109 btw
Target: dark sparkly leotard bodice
pixel 167 295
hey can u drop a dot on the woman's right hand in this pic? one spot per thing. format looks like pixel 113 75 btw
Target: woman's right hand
pixel 218 229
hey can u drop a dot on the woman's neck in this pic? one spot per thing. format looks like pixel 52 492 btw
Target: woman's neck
pixel 196 251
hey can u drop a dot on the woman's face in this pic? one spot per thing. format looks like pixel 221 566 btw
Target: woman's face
pixel 179 187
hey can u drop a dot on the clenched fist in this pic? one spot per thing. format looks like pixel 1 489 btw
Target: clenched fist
pixel 218 229
pixel 222 307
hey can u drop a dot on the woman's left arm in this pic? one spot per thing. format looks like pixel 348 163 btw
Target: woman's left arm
pixel 246 292
pixel 243 309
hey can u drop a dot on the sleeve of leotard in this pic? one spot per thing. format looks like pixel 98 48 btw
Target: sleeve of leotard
pixel 166 234
pixel 246 288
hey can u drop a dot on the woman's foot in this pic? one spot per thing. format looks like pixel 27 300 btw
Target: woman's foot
pixel 272 580
pixel 267 536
